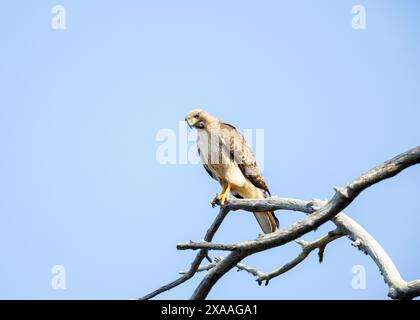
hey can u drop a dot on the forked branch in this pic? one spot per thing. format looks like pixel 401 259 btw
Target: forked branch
pixel 307 248
pixel 320 212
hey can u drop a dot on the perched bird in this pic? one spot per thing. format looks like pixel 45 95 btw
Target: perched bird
pixel 229 159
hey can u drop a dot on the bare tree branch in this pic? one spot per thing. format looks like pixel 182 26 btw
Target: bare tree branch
pixel 307 248
pixel 398 287
pixel 198 259
pixel 206 267
pixel 320 212
pixel 342 198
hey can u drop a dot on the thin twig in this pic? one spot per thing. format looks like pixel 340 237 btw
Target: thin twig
pixel 307 248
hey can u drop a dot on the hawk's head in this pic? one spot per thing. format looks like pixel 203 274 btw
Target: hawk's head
pixel 198 119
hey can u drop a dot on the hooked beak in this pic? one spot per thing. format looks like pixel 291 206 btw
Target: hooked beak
pixel 191 121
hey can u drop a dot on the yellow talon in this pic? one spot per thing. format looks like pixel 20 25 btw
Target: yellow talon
pixel 225 195
pixel 222 197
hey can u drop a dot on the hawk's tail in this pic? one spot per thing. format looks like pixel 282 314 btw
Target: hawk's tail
pixel 267 220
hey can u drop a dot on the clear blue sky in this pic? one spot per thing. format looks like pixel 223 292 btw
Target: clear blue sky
pixel 80 109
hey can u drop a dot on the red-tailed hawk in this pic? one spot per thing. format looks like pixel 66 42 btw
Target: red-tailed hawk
pixel 228 158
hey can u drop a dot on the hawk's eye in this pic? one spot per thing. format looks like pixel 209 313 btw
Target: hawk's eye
pixel 197 115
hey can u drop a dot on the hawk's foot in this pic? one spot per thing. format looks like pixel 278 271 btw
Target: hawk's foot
pixel 221 197
pixel 217 199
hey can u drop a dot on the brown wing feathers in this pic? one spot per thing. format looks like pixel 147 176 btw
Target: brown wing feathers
pixel 242 154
